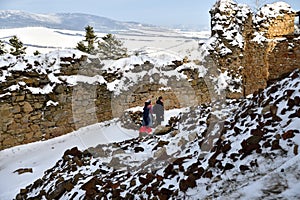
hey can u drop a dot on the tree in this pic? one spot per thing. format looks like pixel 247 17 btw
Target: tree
pixel 257 4
pixel 81 47
pixel 17 46
pixel 36 53
pixel 111 48
pixel 90 38
pixel 2 50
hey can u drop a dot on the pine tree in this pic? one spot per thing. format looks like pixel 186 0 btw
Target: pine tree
pixel 36 53
pixel 111 48
pixel 90 38
pixel 2 50
pixel 17 46
pixel 81 47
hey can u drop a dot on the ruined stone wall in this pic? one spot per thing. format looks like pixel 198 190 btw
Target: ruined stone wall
pixel 177 94
pixel 255 71
pixel 270 47
pixel 284 58
pixel 280 26
pixel 26 117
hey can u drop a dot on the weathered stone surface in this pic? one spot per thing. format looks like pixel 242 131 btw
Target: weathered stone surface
pixel 27 107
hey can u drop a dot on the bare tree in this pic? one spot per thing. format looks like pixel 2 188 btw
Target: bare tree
pixel 259 3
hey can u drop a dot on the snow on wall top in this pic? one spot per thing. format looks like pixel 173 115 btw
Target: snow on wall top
pixel 269 12
pixel 50 66
pixel 227 20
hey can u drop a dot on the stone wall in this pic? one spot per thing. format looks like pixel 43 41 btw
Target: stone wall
pixel 272 57
pixel 270 48
pixel 284 57
pixel 177 93
pixel 28 117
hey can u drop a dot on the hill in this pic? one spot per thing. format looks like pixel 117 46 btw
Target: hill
pixel 68 21
pixel 241 149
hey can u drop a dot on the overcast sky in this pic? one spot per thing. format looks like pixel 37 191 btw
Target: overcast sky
pixel 157 12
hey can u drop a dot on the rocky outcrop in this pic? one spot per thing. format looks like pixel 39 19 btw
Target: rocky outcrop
pixel 257 48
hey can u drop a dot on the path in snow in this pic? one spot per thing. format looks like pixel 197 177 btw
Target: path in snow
pixel 43 155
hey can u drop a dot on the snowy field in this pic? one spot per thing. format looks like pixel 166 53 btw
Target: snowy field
pixel 45 39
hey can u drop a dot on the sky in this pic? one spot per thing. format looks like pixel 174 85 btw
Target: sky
pixel 156 12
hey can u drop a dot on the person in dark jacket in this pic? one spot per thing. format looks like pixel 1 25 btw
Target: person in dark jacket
pixel 159 111
pixel 147 115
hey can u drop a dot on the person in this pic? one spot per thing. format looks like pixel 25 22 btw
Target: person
pixel 147 117
pixel 159 111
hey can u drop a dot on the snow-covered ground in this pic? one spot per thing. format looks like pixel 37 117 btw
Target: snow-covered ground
pixel 43 155
pixel 45 39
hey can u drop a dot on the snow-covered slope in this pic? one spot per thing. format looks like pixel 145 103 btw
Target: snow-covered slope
pixel 46 39
pixel 239 149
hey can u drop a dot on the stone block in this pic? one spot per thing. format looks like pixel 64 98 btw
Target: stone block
pixel 27 107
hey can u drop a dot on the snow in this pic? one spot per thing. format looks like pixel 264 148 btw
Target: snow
pixel 274 10
pixel 259 38
pixel 45 90
pixel 50 102
pixel 45 39
pixel 267 13
pixel 75 79
pixel 42 155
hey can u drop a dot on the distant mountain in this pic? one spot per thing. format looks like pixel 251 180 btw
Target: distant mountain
pixel 69 21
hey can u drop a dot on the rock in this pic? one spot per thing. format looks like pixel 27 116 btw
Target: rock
pixel 138 149
pixel 144 181
pixel 254 163
pixel 273 109
pixel 115 163
pixel 257 132
pixel 174 133
pixel 291 103
pixel 60 189
pixel 90 187
pixel 228 166
pixel 191 180
pixel 244 167
pixel 161 154
pixel 296 149
pixel 161 143
pixel 183 185
pixel 192 136
pixel 275 145
pixel 226 148
pixel 252 143
pixel 73 152
pixel 23 170
pixel 27 107
pixel 121 151
pixel 288 134
pixel 162 130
